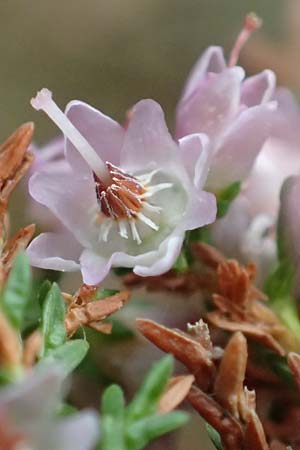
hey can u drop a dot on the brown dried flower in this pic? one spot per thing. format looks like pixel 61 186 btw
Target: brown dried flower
pixel 218 394
pixel 83 309
pixel 239 307
pixel 15 160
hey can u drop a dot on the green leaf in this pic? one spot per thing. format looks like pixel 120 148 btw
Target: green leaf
pixel 68 356
pixel 53 326
pixel 43 290
pixel 103 293
pixel 145 430
pixel 214 436
pixel 181 264
pixel 17 290
pixel 226 196
pixel 279 288
pixel 146 399
pixel 112 413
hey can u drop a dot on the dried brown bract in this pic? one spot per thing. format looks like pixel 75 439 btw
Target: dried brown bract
pixel 83 309
pixel 15 160
pixel 219 394
pixel 239 307
pixel 177 390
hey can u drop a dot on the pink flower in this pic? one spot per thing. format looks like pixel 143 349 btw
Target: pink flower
pixel 129 197
pixel 236 114
pixel 279 158
pixel 27 416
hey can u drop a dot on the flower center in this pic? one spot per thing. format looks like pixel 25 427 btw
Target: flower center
pixel 124 202
pixel 122 198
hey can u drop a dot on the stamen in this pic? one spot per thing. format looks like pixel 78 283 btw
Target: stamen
pixel 134 231
pixel 148 221
pixel 152 208
pixel 156 188
pixel 43 100
pixel 105 229
pixel 252 23
pixel 147 177
pixel 123 230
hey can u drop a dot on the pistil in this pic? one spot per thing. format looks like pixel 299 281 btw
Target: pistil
pixel 43 101
pixel 252 23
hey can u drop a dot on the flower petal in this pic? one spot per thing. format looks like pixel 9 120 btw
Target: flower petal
pixel 168 253
pixel 212 106
pixel 148 143
pixel 71 198
pixel 55 251
pixel 103 134
pixel 241 145
pixel 212 60
pixel 196 158
pixel 258 89
pixel 202 210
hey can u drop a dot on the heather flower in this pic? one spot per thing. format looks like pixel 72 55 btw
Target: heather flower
pixel 247 232
pixel 246 236
pixel 235 113
pixel 278 159
pixel 27 412
pixel 129 197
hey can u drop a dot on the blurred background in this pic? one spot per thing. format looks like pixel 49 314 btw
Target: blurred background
pixel 113 53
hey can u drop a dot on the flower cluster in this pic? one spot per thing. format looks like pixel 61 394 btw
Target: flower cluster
pixel 209 214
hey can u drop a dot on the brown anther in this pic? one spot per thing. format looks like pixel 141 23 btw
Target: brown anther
pixel 121 199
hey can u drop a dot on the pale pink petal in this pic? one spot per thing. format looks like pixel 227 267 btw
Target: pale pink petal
pixel 148 143
pixel 212 60
pixel 195 153
pixel 168 253
pixel 202 210
pixel 103 134
pixel 258 89
pixel 55 251
pixel 241 146
pixel 94 267
pixel 212 106
pixel 71 198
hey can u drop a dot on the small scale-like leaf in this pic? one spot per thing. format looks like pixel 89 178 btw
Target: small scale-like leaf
pixel 17 290
pixel 140 433
pixel 112 413
pixel 68 356
pixel 147 397
pixel 226 197
pixel 53 320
